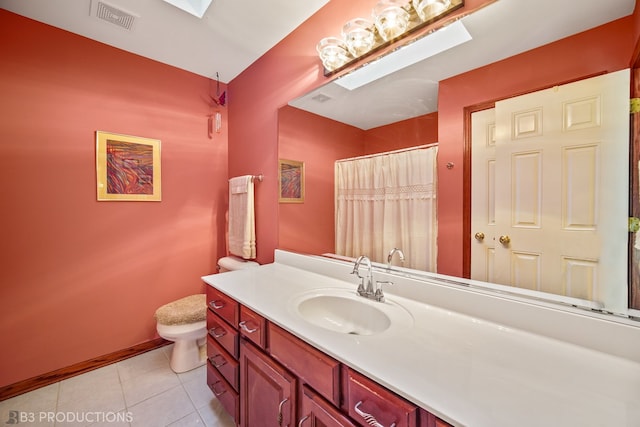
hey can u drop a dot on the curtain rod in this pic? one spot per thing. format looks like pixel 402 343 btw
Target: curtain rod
pixel 401 150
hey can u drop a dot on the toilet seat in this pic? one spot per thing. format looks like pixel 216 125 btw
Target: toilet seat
pixel 184 311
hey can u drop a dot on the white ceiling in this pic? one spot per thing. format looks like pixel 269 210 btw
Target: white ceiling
pixel 231 35
pixel 234 33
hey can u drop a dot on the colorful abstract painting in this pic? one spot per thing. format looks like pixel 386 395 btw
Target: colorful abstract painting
pixel 291 177
pixel 128 167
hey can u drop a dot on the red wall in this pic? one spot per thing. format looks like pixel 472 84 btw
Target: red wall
pixel 292 68
pixel 318 142
pixel 82 278
pixel 404 134
pixel 604 49
pixel 287 71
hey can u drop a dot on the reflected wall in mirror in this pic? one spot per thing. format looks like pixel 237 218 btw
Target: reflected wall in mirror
pixel 555 63
pixel 319 142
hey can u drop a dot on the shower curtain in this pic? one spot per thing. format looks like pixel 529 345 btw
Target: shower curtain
pixel 388 201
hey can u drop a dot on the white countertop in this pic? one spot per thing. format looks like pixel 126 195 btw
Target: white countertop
pixel 467 370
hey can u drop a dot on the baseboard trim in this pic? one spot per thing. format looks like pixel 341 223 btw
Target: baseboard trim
pixel 33 383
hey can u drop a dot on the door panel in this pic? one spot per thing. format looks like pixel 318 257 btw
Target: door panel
pixel 561 193
pixel 483 213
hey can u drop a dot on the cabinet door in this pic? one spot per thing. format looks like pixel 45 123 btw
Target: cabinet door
pixel 427 419
pixel 268 391
pixel 317 412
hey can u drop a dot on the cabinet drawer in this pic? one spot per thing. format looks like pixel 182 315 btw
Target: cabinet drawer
pixel 367 401
pixel 253 327
pixel 223 305
pixel 223 362
pixel 227 396
pixel 312 366
pixel 318 412
pixel 223 333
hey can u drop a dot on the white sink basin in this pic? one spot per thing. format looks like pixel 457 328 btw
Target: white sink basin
pixel 344 311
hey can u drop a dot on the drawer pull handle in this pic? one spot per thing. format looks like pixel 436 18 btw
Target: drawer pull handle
pixel 217 304
pixel 216 392
pixel 216 364
pixel 303 419
pixel 370 419
pixel 215 334
pixel 286 399
pixel 245 328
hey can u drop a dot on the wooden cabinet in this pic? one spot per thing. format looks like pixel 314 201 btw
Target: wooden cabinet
pixel 223 351
pixel 264 376
pixel 317 412
pixel 267 390
pixel 369 403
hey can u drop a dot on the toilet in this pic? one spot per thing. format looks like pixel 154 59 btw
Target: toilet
pixel 231 263
pixel 184 322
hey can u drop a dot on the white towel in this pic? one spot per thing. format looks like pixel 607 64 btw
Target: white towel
pixel 242 229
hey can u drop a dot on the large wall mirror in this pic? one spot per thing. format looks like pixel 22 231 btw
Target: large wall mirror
pixel 400 110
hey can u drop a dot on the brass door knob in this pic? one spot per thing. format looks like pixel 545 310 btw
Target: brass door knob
pixel 504 240
pixel 479 236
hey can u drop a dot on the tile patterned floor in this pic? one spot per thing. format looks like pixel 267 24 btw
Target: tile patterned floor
pixel 141 391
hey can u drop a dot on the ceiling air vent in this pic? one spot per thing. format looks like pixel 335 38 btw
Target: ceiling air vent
pixel 113 14
pixel 321 97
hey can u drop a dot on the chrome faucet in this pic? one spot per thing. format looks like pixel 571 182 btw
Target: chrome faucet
pixel 362 290
pixel 391 254
pixel 367 290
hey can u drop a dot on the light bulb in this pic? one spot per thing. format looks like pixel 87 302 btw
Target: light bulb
pixel 391 18
pixel 358 36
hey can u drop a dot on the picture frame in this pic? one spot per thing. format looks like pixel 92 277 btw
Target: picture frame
pixel 290 181
pixel 127 167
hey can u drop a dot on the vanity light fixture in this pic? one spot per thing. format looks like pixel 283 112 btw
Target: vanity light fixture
pixel 392 21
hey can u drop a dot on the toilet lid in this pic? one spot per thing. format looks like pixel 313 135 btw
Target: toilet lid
pixel 232 263
pixel 189 309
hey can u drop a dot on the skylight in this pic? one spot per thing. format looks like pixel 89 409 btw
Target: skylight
pixel 194 7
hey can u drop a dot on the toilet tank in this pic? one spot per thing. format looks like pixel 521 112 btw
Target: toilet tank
pixel 231 263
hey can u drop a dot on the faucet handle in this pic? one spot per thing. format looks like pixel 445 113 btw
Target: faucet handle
pixel 361 291
pixel 379 296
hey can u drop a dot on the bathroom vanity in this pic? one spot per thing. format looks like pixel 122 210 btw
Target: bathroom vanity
pixel 291 343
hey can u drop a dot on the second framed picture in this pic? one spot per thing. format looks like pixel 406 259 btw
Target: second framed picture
pixel 291 181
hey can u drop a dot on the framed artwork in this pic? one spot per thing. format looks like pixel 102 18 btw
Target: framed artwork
pixel 291 181
pixel 128 167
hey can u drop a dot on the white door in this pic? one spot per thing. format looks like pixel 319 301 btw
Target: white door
pixel 561 191
pixel 483 212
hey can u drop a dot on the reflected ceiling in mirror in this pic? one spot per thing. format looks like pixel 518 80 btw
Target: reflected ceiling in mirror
pixel 500 30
